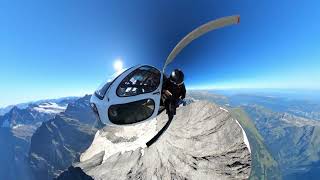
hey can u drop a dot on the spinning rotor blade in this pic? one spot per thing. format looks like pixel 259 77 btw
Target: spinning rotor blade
pixel 212 25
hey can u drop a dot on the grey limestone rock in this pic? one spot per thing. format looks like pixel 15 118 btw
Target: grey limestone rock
pixel 202 142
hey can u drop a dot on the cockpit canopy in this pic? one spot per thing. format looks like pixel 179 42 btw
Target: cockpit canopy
pixel 142 80
pixel 131 97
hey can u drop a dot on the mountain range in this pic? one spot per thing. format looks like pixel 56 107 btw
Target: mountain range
pixel 288 128
pixel 16 128
pixel 203 141
pixel 58 143
pixel 60 101
pixel 41 140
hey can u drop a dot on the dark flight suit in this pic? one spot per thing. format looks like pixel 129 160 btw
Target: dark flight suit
pixel 172 102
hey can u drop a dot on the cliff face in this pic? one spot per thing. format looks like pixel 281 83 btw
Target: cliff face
pixel 13 156
pixel 202 142
pixel 57 143
pixel 264 166
pixel 17 126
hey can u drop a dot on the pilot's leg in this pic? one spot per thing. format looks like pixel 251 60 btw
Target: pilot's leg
pixel 167 105
pixel 165 127
pixel 170 105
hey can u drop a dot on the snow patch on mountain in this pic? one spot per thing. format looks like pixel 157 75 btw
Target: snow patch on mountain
pixel 17 126
pixel 245 138
pixel 124 139
pixel 50 108
pixel 224 109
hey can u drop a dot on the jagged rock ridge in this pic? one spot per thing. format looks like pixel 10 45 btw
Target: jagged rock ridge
pixel 202 142
pixel 58 143
pixel 17 125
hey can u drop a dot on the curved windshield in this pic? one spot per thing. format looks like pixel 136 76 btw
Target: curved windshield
pixel 101 91
pixel 103 88
pixel 142 80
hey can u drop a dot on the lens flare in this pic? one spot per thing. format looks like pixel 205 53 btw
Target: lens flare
pixel 118 65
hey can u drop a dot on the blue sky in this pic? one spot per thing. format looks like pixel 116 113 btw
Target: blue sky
pixel 62 48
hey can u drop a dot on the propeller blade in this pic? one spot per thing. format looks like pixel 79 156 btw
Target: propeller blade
pixel 212 25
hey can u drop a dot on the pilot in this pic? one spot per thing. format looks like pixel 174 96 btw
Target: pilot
pixel 173 91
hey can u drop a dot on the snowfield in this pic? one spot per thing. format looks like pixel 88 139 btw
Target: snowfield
pixel 50 108
pixel 132 138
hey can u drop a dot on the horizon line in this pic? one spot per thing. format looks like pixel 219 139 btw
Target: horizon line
pixel 188 89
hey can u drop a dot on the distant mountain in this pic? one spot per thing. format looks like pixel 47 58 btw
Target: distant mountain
pixel 207 96
pixel 16 129
pixel 13 156
pixel 81 110
pixel 303 108
pixel 58 143
pixel 264 166
pixel 5 109
pixel 293 141
pixel 60 101
pixel 34 113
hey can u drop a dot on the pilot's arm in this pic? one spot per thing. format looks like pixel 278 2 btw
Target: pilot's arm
pixel 165 88
pixel 183 91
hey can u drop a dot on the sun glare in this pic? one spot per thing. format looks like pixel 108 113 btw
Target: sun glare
pixel 118 65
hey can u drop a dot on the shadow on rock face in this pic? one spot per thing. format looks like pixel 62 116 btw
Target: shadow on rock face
pixel 202 142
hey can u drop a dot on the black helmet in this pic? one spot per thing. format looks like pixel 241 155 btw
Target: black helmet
pixel 177 77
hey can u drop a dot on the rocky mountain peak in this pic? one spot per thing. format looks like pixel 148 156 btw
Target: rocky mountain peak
pixel 202 142
pixel 81 110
